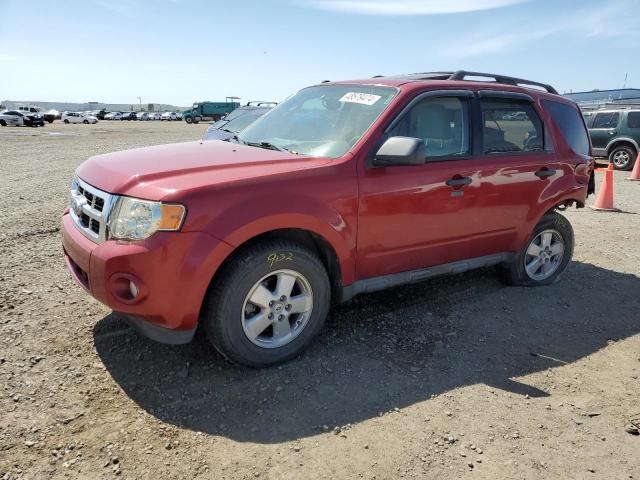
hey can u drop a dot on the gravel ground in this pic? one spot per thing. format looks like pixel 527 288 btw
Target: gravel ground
pixel 459 377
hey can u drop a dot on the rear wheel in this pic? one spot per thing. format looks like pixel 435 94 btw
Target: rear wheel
pixel 622 157
pixel 267 304
pixel 66 121
pixel 545 256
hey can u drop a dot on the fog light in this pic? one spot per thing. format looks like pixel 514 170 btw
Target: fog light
pixel 127 288
pixel 133 289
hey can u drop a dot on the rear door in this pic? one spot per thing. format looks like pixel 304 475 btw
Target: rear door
pixel 518 163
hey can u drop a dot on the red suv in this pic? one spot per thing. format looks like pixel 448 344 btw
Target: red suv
pixel 344 188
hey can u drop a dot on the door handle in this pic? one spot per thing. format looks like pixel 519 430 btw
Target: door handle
pixel 458 181
pixel 545 172
pixel 612 132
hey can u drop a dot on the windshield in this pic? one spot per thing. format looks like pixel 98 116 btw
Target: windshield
pixel 322 121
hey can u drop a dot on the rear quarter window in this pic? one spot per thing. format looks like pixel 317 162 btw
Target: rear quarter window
pixel 633 120
pixel 570 122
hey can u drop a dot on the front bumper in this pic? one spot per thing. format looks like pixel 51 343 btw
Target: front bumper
pixel 171 272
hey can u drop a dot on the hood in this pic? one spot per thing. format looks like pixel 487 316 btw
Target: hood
pixel 167 172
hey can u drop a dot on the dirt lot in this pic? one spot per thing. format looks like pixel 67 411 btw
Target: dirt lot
pixel 458 377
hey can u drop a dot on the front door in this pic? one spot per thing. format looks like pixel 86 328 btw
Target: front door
pixel 413 217
pixel 603 129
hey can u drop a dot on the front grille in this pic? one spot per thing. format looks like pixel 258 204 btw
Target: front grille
pixel 90 209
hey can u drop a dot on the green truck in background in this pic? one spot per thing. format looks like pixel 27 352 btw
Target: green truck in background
pixel 208 111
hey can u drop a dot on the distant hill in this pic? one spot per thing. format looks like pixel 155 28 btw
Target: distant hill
pixel 80 107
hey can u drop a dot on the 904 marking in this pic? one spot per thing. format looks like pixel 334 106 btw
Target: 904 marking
pixel 277 257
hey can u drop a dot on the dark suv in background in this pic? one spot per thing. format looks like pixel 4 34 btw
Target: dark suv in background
pixel 615 134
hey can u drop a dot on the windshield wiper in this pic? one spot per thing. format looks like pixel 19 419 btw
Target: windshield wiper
pixel 267 145
pixel 234 137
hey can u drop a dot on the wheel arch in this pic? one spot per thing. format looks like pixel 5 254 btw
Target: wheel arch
pixel 622 141
pixel 306 238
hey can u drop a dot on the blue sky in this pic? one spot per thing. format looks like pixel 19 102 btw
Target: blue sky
pixel 178 51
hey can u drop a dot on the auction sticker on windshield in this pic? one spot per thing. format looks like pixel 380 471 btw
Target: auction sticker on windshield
pixel 359 97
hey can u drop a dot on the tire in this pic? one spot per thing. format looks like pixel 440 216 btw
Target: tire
pixel 3 123
pixel 86 122
pixel 257 268
pixel 66 121
pixel 188 120
pixel 519 272
pixel 623 157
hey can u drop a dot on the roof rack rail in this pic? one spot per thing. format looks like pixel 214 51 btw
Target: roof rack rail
pixel 462 74
pixel 260 103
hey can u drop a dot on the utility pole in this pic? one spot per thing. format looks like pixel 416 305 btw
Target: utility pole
pixel 140 101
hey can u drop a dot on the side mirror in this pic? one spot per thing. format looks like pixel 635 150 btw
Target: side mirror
pixel 400 151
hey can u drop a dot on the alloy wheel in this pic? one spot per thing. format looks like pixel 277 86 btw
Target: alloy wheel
pixel 544 255
pixel 277 308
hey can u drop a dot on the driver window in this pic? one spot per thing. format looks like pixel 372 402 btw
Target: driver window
pixel 442 123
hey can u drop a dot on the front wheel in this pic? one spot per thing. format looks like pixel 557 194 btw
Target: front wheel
pixel 545 256
pixel 66 121
pixel 267 304
pixel 3 123
pixel 622 157
pixel 188 120
pixel 86 122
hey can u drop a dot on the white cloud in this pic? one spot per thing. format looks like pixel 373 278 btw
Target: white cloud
pixel 407 7
pixel 601 21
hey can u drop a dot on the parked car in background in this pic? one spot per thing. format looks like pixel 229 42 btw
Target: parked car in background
pixel 99 114
pixel 128 116
pixel 615 135
pixel 21 118
pixel 343 189
pixel 155 116
pixel 78 117
pixel 142 116
pixel 169 116
pixel 109 115
pixel 237 120
pixel 49 116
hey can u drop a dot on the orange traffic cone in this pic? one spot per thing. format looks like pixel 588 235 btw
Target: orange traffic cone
pixel 604 200
pixel 635 173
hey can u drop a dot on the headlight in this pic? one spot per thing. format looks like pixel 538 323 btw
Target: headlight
pixel 134 219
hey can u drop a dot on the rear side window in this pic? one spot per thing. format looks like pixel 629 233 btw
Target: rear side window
pixel 633 120
pixel 510 126
pixel 568 120
pixel 443 124
pixel 606 120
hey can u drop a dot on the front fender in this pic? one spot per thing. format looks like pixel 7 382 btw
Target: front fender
pixel 292 213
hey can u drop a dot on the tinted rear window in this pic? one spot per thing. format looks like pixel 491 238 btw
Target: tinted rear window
pixel 633 120
pixel 571 124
